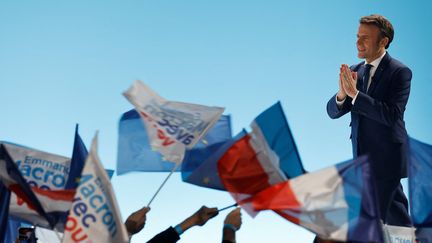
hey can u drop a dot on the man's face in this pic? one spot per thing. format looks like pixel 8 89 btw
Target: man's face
pixel 368 42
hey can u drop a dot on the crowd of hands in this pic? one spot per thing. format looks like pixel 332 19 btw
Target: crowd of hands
pixel 136 221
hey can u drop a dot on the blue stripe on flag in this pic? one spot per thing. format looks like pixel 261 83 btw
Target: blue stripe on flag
pixel 360 195
pixel 277 133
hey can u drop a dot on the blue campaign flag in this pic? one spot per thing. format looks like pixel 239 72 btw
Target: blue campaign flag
pixel 135 154
pixel 4 212
pixel 420 186
pixel 274 127
pixel 79 156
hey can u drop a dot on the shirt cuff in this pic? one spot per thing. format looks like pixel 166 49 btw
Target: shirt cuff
pixel 339 103
pixel 355 97
pixel 178 229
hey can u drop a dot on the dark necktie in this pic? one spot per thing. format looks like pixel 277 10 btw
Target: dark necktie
pixel 366 74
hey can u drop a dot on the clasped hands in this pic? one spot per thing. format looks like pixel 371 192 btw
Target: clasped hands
pixel 347 83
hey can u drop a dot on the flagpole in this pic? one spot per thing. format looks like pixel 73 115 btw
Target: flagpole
pixel 230 206
pixel 163 183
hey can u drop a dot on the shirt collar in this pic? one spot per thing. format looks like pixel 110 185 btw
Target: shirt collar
pixel 377 61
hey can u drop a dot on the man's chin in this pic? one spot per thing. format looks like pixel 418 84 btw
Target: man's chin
pixel 361 55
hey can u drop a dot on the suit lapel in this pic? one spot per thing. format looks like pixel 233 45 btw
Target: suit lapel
pixel 378 73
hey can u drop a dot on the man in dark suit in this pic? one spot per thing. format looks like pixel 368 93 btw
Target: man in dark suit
pixel 376 92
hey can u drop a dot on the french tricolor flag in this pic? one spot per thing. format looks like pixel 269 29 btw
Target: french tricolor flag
pixel 337 203
pixel 264 157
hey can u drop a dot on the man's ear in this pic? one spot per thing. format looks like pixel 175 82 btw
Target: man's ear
pixel 384 41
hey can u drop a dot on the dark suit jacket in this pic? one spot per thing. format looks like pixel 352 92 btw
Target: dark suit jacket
pixel 377 118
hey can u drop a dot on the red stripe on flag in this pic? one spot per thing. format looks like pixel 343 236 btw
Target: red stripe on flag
pixel 240 170
pixel 63 195
pixel 281 198
pixel 22 195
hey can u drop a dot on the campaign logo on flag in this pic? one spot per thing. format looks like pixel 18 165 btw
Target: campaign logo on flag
pixel 337 202
pixel 12 179
pixel 51 177
pixel 399 234
pixel 135 153
pixel 172 127
pixel 41 170
pixel 94 215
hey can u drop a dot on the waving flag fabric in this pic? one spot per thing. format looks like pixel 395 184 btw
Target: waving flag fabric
pixel 12 179
pixel 136 154
pixel 337 203
pixel 12 230
pixel 4 211
pixel 206 174
pixel 42 171
pixel 272 126
pixel 79 155
pixel 399 234
pixel 264 157
pixel 250 162
pixel 172 127
pixel 420 187
pixel 94 215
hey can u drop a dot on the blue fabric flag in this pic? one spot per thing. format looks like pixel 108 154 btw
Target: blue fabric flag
pixel 4 212
pixel 12 230
pixel 206 173
pixel 135 153
pixel 420 187
pixel 79 156
pixel 274 126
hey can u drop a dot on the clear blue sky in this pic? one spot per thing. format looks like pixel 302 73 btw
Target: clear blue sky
pixel 67 62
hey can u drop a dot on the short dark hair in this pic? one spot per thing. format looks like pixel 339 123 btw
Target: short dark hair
pixel 385 27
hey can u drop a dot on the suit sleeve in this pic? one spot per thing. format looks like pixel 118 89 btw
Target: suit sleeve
pixel 334 111
pixel 167 236
pixel 390 111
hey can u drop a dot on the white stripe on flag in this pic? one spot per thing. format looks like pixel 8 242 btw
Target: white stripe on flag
pixel 268 159
pixel 324 209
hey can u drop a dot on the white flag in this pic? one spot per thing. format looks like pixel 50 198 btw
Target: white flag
pixel 172 127
pixel 45 173
pixel 399 234
pixel 94 215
